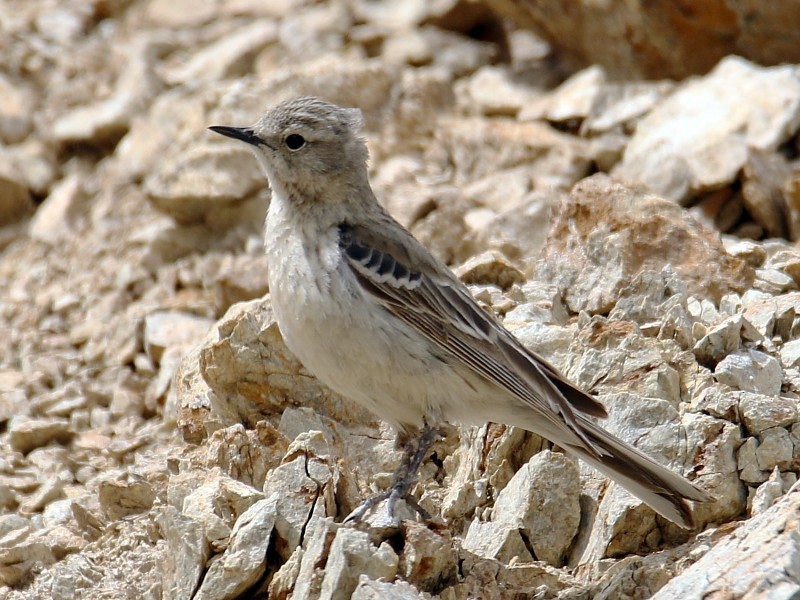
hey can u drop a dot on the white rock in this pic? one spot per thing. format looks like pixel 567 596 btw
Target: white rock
pixel 790 354
pixel 498 541
pixel 218 503
pixel 767 493
pixel 697 139
pixel 227 56
pixel 369 589
pixel 757 560
pixel 305 483
pixel 759 412
pixel 751 371
pixel 109 119
pixel 775 449
pixel 542 500
pixel 352 554
pixel 187 555
pixel 244 562
pixel 57 217
pixel 168 329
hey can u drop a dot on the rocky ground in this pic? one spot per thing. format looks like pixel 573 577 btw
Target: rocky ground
pixel 158 439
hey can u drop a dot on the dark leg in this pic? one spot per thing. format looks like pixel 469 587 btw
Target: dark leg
pixel 404 477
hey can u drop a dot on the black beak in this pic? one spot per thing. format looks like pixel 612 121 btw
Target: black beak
pixel 244 134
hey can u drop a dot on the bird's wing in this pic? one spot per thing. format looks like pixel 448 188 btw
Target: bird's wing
pixel 413 286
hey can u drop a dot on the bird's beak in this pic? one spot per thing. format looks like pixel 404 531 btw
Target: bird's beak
pixel 245 134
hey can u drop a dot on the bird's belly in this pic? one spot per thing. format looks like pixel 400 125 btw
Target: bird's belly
pixel 363 352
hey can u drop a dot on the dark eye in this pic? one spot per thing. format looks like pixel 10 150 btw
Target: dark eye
pixel 295 141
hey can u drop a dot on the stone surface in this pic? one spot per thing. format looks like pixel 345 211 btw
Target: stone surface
pixel 605 234
pixel 637 40
pixel 244 561
pixel 750 371
pixel 673 157
pixel 758 561
pixel 542 501
pixel 353 553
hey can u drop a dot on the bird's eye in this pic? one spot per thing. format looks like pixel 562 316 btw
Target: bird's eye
pixel 295 141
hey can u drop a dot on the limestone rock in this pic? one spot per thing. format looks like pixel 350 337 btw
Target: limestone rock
pixel 639 40
pixel 674 158
pixel 109 119
pixel 244 562
pixel 352 552
pixel 750 371
pixel 605 234
pixel 542 501
pixel 757 560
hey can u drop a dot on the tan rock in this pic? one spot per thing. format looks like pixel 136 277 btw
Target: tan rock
pixel 605 234
pixel 635 39
pixel 694 141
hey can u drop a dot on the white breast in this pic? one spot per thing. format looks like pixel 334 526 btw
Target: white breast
pixel 344 337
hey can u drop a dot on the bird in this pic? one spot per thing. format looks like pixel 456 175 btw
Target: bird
pixel 377 318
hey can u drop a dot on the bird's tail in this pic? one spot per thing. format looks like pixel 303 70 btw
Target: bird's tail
pixel 664 491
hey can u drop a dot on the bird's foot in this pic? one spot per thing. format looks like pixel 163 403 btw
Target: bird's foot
pixel 404 478
pixel 393 494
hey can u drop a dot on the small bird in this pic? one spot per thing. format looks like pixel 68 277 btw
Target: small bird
pixel 376 317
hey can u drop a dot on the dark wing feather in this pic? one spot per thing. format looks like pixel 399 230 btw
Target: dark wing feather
pixel 442 309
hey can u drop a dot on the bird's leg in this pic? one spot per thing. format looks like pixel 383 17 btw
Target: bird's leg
pixel 414 452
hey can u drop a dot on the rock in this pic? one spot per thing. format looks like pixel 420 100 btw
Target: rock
pixel 15 198
pixel 604 234
pixel 592 105
pixel 216 504
pixel 790 354
pixel 25 434
pixel 750 252
pixel 488 268
pixel 205 182
pixel 559 160
pixel 15 111
pixel 775 450
pixel 498 541
pixel 187 551
pixel 750 371
pixel 240 279
pixel 573 100
pixel 767 493
pixel 309 576
pixel 640 41
pixel 108 120
pixel 167 329
pixel 755 559
pixel 759 412
pixel 765 176
pixel 368 589
pixel 57 218
pixel 674 157
pixel 773 281
pixel 304 481
pixel 246 365
pixel 125 496
pixel 50 491
pixel 244 562
pixel 353 554
pixel 542 501
pixel 427 559
pixel 493 91
pixel 747 462
pixel 724 338
pixel 230 56
pixel 712 444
